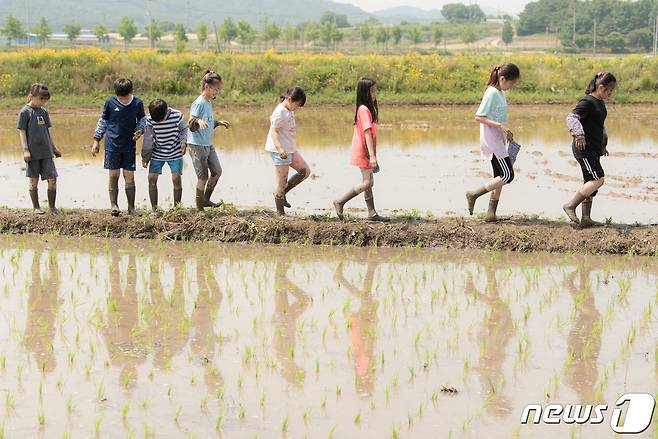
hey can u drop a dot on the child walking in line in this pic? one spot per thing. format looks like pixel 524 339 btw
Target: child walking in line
pixel 38 146
pixel 203 153
pixel 281 144
pixel 590 140
pixel 165 141
pixel 364 147
pixel 122 124
pixel 494 136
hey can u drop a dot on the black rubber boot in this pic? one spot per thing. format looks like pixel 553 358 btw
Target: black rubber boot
pixel 586 219
pixel 34 196
pixel 279 203
pixel 372 213
pixel 491 212
pixel 130 195
pixel 200 201
pixel 178 196
pixel 52 196
pixel 153 196
pixel 292 182
pixel 114 195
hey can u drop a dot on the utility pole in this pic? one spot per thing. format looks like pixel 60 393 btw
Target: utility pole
pixel 150 22
pixel 595 20
pixel 655 37
pixel 27 24
pixel 573 35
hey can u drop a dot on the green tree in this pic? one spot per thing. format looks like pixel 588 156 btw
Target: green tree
pixel 153 32
pixel 202 34
pixel 42 31
pixel 72 32
pixel 271 32
pixel 461 13
pixel 468 34
pixel 180 37
pixel 508 33
pixel 396 34
pixel 128 30
pixel 228 32
pixel 246 33
pixel 340 20
pixel 328 31
pixel 365 32
pixel 102 35
pixel 639 39
pixel 290 34
pixel 382 36
pixel 415 35
pixel 312 32
pixel 13 29
pixel 437 35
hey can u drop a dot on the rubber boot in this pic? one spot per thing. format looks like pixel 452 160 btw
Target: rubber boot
pixel 279 203
pixel 206 196
pixel 372 213
pixel 292 182
pixel 471 196
pixel 130 195
pixel 178 196
pixel 491 212
pixel 586 219
pixel 340 202
pixel 200 201
pixel 114 196
pixel 52 196
pixel 153 196
pixel 570 207
pixel 34 196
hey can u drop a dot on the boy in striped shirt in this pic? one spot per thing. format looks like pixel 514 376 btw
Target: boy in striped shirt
pixel 165 141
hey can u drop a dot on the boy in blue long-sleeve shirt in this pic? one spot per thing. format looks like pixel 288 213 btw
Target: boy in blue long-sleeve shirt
pixel 122 123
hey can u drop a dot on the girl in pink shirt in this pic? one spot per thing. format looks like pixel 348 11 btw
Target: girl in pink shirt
pixel 364 147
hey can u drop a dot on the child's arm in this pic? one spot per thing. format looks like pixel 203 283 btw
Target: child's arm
pixel 223 123
pixel 101 129
pixel 26 151
pixel 605 142
pixel 277 144
pixel 574 125
pixel 147 146
pixel 182 130
pixel 139 130
pixel 370 144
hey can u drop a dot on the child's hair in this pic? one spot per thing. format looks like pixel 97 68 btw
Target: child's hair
pixel 296 94
pixel 363 97
pixel 123 86
pixel 601 78
pixel 210 78
pixel 158 110
pixel 38 90
pixel 508 70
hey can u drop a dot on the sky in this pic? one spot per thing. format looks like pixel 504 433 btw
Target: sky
pixel 510 6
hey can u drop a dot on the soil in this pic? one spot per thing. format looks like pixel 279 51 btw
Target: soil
pixel 520 234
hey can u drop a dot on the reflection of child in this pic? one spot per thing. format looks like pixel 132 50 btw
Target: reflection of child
pixel 494 136
pixel 122 123
pixel 165 141
pixel 38 147
pixel 281 143
pixel 586 124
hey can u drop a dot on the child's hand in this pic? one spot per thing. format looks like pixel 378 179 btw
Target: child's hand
pixel 224 123
pixel 283 154
pixel 605 152
pixel 373 162
pixel 580 143
pixel 510 136
pixel 202 123
pixel 95 148
pixel 26 155
pixel 144 164
pixel 137 135
pixel 57 153
pixel 183 148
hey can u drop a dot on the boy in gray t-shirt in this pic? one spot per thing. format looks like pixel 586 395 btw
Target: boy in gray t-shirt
pixel 38 147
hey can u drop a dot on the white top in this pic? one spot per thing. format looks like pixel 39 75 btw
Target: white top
pixel 284 120
pixel 494 107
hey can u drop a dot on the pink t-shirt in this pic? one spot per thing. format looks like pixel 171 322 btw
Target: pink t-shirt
pixel 359 153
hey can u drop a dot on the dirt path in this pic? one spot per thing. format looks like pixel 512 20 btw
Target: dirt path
pixel 517 234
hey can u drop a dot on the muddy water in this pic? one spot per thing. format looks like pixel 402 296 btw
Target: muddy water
pixel 129 339
pixel 428 156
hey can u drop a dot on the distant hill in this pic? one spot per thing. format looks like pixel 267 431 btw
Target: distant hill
pixel 89 13
pixel 408 13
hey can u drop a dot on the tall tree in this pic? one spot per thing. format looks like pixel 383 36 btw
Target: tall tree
pixel 180 37
pixel 42 31
pixel 437 35
pixel 271 32
pixel 153 32
pixel 246 34
pixel 508 33
pixel 72 31
pixel 228 32
pixel 396 33
pixel 290 34
pixel 202 34
pixel 415 35
pixel 128 30
pixel 382 36
pixel 13 29
pixel 102 35
pixel 365 32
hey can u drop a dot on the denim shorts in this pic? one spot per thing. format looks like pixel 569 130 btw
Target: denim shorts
pixel 278 161
pixel 176 166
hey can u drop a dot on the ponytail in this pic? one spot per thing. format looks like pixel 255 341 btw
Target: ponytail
pixel 38 90
pixel 601 78
pixel 508 70
pixel 296 94
pixel 210 78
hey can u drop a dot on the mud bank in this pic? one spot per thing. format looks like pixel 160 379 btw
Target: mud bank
pixel 262 226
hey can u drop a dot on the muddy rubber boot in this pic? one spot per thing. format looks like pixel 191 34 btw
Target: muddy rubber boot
pixel 130 195
pixel 34 196
pixel 491 212
pixel 372 213
pixel 279 203
pixel 200 201
pixel 52 196
pixel 586 220
pixel 340 202
pixel 292 182
pixel 153 196
pixel 472 196
pixel 206 198
pixel 178 196
pixel 570 207
pixel 114 196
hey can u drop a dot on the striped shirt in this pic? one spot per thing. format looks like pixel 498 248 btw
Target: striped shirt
pixel 162 140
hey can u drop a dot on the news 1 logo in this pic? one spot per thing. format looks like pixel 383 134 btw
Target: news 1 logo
pixel 638 409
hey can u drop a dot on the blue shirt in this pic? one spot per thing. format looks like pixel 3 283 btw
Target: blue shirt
pixel 118 123
pixel 202 109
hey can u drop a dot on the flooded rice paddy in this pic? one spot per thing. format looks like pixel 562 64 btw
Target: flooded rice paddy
pixel 117 338
pixel 429 157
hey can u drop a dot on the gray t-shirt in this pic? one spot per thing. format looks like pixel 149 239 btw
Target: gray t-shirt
pixel 35 122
